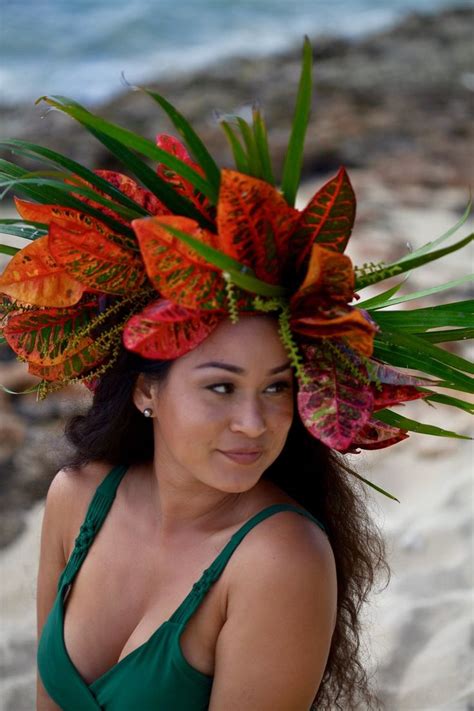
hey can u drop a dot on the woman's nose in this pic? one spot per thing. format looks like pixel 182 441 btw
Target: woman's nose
pixel 248 417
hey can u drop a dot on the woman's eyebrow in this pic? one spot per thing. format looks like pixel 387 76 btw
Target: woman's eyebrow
pixel 241 371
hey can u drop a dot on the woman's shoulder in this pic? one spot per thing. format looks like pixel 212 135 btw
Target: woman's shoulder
pixel 285 539
pixel 79 482
pixel 69 496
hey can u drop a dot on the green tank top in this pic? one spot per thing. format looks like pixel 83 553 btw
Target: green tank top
pixel 156 675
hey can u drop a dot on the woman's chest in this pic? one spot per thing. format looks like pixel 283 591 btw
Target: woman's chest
pixel 122 595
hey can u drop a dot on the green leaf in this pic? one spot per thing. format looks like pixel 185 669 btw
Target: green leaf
pixel 261 143
pixel 294 154
pixel 449 400
pixel 396 420
pixel 408 351
pixel 253 158
pixel 373 486
pixel 47 195
pixel 455 334
pixel 192 140
pixel 134 141
pixel 6 249
pixel 425 292
pixel 240 159
pixel 26 230
pixel 31 150
pixel 241 275
pixel 390 270
pixel 33 389
pixel 429 245
pixel 380 299
pixel 414 320
pixel 178 204
pixel 125 212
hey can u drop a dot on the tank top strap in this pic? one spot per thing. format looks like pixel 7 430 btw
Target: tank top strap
pixel 212 573
pixel 96 514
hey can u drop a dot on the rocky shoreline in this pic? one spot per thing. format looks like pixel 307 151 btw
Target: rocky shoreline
pixel 397 102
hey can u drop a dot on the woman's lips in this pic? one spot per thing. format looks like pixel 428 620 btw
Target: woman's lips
pixel 242 457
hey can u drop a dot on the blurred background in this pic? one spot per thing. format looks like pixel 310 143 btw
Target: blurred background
pixel 393 101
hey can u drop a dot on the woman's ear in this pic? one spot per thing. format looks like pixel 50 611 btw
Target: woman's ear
pixel 143 392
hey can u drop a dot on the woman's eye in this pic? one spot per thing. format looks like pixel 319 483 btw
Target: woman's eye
pixel 279 387
pixel 222 388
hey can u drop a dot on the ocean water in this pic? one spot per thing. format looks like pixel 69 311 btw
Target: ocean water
pixel 81 48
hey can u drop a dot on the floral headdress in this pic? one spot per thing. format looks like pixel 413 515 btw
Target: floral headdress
pixel 157 262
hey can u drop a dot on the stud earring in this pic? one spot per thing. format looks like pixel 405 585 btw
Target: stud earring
pixel 148 412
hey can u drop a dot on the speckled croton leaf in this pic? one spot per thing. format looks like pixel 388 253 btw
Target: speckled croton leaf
pixel 376 435
pixel 338 401
pixel 76 362
pixel 33 276
pixel 71 219
pixel 182 186
pixel 142 197
pixel 51 341
pixel 254 224
pixel 327 219
pixel 176 271
pixel 92 256
pixel 329 276
pixel 164 330
pixel 336 321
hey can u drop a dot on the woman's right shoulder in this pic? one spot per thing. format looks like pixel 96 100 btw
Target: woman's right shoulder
pixel 69 496
pixel 72 486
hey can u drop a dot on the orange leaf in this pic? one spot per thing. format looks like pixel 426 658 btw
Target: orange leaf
pixel 34 277
pixel 176 270
pixel 86 356
pixel 44 336
pixel 92 256
pixel 69 219
pixel 254 224
pixel 330 277
pixel 338 321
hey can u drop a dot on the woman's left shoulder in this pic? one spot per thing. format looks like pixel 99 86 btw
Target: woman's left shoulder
pixel 287 541
pixel 293 537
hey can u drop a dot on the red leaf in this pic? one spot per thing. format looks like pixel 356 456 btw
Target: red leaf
pixel 377 435
pixel 165 331
pixel 91 255
pixel 128 187
pixel 387 395
pixel 34 277
pixel 328 219
pixel 43 336
pixel 254 224
pixel 336 404
pixel 177 271
pixel 175 148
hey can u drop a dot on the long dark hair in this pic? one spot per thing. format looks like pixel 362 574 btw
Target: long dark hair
pixel 113 430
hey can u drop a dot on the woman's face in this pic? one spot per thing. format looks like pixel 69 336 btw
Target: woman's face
pixel 222 415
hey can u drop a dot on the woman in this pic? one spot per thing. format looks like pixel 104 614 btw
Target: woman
pixel 220 330
pixel 211 453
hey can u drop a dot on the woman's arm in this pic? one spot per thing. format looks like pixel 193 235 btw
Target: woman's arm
pixel 273 647
pixel 51 564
